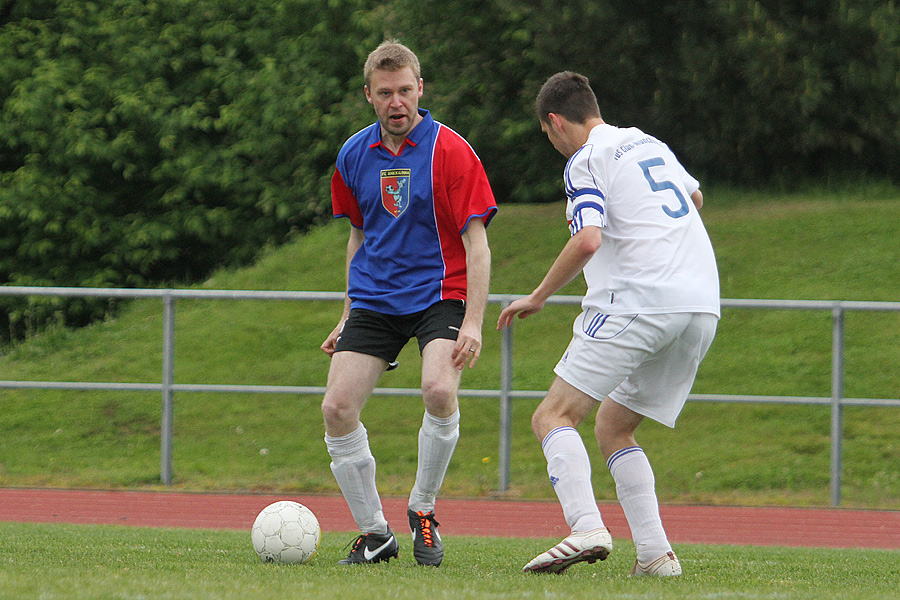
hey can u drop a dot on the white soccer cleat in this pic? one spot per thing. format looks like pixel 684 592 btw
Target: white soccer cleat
pixel 666 565
pixel 589 546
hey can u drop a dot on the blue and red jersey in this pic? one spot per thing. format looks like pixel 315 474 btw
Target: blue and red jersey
pixel 412 208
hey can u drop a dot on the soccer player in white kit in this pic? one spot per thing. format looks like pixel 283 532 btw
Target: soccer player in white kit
pixel 648 318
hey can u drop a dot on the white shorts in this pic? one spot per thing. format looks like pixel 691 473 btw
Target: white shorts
pixel 646 363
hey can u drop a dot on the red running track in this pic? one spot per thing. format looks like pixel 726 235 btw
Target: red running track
pixel 809 527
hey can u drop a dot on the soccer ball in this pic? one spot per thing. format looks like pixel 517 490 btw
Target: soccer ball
pixel 286 532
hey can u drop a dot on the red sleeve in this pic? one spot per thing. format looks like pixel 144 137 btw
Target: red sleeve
pixel 468 191
pixel 343 202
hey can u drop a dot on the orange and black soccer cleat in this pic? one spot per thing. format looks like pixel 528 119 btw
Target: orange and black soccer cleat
pixel 427 546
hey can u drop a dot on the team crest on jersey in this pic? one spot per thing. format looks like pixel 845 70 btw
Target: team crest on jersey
pixel 395 190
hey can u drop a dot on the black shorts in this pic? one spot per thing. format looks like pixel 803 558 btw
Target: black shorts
pixel 369 332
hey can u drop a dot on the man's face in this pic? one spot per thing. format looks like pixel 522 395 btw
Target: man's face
pixel 395 96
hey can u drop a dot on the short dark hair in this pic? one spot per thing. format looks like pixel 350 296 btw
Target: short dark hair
pixel 567 94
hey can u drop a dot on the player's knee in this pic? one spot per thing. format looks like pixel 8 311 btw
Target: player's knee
pixel 536 426
pixel 440 397
pixel 542 422
pixel 337 414
pixel 605 434
pixel 612 437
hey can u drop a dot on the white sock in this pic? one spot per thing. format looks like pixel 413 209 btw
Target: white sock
pixel 354 469
pixel 635 487
pixel 570 475
pixel 437 441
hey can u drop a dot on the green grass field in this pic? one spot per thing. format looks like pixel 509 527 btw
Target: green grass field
pixel 79 562
pixel 838 243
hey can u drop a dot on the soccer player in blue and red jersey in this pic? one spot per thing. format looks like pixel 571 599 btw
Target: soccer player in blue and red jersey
pixel 418 265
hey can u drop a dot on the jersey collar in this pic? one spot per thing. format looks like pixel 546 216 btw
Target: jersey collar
pixel 415 136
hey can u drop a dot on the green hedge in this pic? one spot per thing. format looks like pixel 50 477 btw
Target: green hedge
pixel 147 142
pixel 746 92
pixel 150 142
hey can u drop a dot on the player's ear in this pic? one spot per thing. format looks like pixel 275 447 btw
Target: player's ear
pixel 368 94
pixel 421 87
pixel 556 121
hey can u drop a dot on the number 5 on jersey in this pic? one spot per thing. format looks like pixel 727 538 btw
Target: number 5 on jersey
pixel 658 186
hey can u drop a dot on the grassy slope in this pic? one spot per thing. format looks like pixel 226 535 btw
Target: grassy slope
pixel 815 246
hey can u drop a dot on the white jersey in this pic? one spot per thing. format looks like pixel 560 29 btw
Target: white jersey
pixel 655 256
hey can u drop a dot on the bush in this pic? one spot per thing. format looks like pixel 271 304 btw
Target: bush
pixel 150 142
pixel 744 91
pixel 147 142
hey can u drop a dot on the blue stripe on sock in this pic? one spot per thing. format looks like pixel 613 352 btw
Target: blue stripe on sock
pixel 554 432
pixel 620 453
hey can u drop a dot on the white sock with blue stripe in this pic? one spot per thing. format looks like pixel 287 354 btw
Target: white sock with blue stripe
pixel 635 487
pixel 570 475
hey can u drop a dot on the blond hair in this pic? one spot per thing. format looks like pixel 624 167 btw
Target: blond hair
pixel 390 55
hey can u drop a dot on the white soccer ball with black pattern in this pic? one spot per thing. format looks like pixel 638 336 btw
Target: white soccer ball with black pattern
pixel 286 532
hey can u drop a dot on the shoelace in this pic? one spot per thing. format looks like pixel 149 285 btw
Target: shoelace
pixel 356 543
pixel 425 523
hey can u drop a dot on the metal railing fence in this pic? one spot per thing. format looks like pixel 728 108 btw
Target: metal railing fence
pixel 167 386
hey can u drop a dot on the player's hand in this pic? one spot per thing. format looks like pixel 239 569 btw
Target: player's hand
pixel 468 345
pixel 523 307
pixel 331 341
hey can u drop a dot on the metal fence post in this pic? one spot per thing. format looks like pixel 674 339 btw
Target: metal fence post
pixel 505 405
pixel 168 379
pixel 837 396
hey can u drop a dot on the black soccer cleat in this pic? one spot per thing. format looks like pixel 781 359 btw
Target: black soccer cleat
pixel 372 548
pixel 427 546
